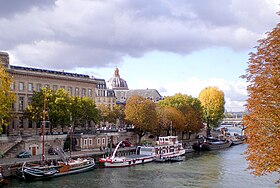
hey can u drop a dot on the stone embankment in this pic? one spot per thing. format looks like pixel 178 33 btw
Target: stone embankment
pixel 11 165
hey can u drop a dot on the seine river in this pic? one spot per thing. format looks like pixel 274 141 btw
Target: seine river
pixel 224 168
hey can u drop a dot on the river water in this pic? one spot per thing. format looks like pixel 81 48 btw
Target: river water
pixel 224 168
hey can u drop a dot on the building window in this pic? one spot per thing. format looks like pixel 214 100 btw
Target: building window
pixel 29 124
pixel 13 86
pixel 21 86
pixel 103 141
pixel 70 90
pixel 85 142
pixel 62 87
pixel 21 103
pixel 77 93
pixel 90 92
pixel 39 86
pixel 90 142
pixel 83 92
pixel 13 106
pixel 30 87
pixel 98 141
pixel 54 87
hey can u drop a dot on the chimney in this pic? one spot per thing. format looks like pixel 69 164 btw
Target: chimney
pixel 4 59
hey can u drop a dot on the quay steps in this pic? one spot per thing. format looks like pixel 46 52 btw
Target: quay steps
pixel 14 150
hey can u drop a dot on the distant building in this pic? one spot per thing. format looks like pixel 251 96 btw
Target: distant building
pixel 116 82
pixel 122 93
pixel 103 94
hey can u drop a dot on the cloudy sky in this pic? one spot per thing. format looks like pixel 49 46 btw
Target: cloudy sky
pixel 173 46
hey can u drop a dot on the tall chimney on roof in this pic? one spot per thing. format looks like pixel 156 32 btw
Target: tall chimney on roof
pixel 4 59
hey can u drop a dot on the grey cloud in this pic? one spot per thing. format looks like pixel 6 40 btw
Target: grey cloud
pixel 99 33
pixel 9 8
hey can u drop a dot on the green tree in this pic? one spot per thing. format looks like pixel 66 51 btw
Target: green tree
pixel 142 114
pixel 34 110
pixel 213 102
pixel 7 98
pixel 90 112
pixel 83 111
pixel 263 105
pixel 59 108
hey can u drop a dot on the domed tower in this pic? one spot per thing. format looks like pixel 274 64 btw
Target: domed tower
pixel 116 82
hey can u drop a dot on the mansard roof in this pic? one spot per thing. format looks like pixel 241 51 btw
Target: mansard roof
pixel 152 94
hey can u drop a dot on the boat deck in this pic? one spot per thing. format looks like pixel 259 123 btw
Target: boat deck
pixel 135 156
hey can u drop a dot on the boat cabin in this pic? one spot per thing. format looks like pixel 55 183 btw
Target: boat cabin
pixel 167 140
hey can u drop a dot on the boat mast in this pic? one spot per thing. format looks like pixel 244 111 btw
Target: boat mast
pixel 43 128
pixel 70 141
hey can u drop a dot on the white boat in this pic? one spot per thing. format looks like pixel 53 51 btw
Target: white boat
pixel 130 160
pixel 167 147
pixel 167 159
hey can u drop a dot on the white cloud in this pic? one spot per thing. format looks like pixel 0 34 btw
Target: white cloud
pixel 235 91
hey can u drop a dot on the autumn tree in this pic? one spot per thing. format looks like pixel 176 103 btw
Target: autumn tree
pixel 170 119
pixel 213 102
pixel 142 114
pixel 263 105
pixel 191 109
pixel 7 97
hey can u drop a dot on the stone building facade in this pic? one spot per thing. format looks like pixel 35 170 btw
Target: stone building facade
pixel 27 79
pixel 103 94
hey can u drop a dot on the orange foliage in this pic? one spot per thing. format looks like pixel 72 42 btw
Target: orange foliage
pixel 263 119
pixel 170 118
pixel 141 113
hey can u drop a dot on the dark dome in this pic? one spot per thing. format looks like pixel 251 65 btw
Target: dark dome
pixel 116 82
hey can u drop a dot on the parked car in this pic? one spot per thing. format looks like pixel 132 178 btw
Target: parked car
pixel 52 151
pixel 24 154
pixel 126 143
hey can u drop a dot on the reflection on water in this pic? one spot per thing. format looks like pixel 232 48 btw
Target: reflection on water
pixel 224 168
